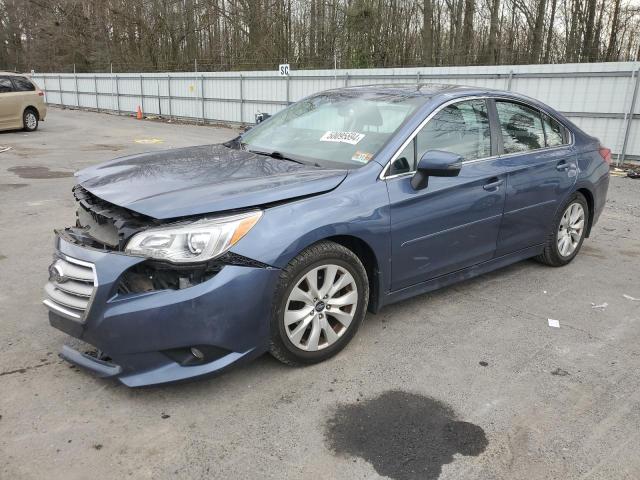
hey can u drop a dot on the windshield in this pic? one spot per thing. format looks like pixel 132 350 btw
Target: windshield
pixel 341 128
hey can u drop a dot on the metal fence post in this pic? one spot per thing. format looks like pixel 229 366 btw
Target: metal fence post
pixel 60 89
pixel 241 101
pixel 117 95
pixel 75 79
pixel 509 80
pixel 95 88
pixel 632 109
pixel 202 96
pixel 346 79
pixel 158 91
pixel 169 94
pixel 44 87
pixel 288 78
pixel 112 90
pixel 141 95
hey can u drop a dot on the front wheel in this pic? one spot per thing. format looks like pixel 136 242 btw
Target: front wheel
pixel 321 300
pixel 568 232
pixel 30 120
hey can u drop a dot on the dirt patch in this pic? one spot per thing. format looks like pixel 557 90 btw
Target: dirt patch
pixel 103 146
pixel 39 172
pixel 7 187
pixel 27 152
pixel 593 252
pixel 404 436
pixel 630 253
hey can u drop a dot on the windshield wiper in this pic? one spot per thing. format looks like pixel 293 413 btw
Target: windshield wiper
pixel 277 155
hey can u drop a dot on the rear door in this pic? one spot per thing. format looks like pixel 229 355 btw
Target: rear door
pixel 541 171
pixel 454 222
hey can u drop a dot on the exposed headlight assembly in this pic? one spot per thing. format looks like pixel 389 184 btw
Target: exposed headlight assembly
pixel 193 242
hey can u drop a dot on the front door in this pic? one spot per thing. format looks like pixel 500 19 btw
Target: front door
pixel 454 222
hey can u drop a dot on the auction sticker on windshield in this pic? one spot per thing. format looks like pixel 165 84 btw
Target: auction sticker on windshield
pixel 343 137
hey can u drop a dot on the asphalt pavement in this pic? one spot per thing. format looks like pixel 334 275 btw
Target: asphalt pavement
pixel 469 382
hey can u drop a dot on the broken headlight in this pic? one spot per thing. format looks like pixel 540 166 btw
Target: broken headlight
pixel 197 241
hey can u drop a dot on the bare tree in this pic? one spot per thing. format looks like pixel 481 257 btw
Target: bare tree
pixel 165 35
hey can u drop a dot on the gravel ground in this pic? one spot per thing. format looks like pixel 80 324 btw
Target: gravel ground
pixel 468 382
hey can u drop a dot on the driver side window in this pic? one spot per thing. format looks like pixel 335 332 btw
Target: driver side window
pixel 461 128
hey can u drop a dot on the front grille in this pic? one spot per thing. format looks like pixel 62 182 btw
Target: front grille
pixel 70 287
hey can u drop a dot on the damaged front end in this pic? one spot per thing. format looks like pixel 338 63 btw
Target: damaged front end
pixel 160 313
pixel 103 226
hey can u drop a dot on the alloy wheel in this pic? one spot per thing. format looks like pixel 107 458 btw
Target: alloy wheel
pixel 320 307
pixel 571 229
pixel 31 120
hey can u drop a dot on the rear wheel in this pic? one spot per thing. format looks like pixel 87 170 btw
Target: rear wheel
pixel 321 300
pixel 30 120
pixel 568 232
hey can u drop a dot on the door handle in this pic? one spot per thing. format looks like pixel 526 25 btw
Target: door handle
pixel 493 185
pixel 562 166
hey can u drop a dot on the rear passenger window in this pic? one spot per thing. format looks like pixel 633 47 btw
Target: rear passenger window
pixel 461 128
pixel 5 85
pixel 521 127
pixel 23 85
pixel 556 134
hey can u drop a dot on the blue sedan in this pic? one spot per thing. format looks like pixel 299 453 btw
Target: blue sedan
pixel 184 262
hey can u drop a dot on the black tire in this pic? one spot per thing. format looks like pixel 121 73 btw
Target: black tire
pixel 551 255
pixel 321 253
pixel 29 116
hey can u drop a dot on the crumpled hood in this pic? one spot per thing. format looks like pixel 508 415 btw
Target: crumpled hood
pixel 203 179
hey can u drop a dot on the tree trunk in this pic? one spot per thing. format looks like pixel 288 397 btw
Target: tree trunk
pixel 490 57
pixel 613 37
pixel 587 44
pixel 538 29
pixel 427 33
pixel 547 51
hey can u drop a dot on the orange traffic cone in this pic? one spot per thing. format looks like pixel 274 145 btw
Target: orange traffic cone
pixel 139 114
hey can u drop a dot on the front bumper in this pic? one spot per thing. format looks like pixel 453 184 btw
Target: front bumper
pixel 229 313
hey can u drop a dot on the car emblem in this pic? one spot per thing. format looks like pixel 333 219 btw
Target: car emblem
pixel 56 274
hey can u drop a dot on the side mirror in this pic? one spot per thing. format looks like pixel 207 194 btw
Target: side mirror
pixel 436 163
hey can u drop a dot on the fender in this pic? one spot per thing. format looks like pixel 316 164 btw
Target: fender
pixel 278 237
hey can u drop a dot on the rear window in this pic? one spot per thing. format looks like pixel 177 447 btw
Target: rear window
pixel 23 84
pixel 5 85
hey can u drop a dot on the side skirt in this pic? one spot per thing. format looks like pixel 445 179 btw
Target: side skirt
pixel 460 275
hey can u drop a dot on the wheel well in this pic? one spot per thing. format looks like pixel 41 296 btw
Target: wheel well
pixel 34 109
pixel 589 198
pixel 368 259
